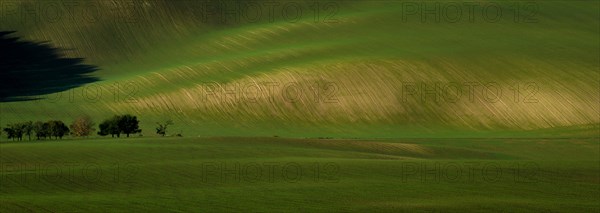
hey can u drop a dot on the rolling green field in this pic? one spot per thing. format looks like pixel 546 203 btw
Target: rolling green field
pixel 305 175
pixel 348 106
pixel 350 67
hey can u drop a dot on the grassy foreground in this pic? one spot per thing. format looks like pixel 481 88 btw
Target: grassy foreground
pixel 305 175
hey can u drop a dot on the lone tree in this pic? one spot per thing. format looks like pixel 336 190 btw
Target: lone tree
pixel 82 126
pixel 110 126
pixel 162 127
pixel 129 124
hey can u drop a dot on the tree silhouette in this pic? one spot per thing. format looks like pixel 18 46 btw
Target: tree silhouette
pixel 36 68
pixel 129 124
pixel 161 129
pixel 110 126
pixel 58 129
pixel 41 129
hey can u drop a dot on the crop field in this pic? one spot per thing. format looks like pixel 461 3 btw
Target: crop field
pixel 299 106
pixel 307 175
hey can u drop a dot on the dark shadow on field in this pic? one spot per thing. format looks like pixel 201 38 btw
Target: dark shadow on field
pixel 29 69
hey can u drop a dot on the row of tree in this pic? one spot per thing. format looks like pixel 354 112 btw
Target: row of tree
pixel 120 124
pixel 49 129
pixel 82 126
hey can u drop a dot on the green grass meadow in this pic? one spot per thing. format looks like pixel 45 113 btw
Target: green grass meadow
pixel 306 175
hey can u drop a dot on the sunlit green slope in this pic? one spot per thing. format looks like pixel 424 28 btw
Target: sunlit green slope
pixel 362 69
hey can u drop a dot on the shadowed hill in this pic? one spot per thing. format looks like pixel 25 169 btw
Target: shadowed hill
pixel 34 68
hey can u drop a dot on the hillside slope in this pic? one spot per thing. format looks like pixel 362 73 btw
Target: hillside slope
pixel 362 69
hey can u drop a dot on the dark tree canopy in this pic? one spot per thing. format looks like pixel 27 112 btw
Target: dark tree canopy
pixel 110 127
pixel 58 129
pixel 41 129
pixel 126 124
pixel 129 124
